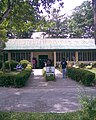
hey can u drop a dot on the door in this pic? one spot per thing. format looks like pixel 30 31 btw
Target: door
pixel 42 60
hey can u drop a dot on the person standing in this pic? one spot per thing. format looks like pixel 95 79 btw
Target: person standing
pixel 63 64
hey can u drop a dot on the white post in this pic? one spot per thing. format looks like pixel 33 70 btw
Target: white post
pixel 9 56
pixel 54 59
pixel 76 55
pixel 31 57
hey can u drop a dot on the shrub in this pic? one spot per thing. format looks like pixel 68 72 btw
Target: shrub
pixel 22 77
pixel 86 77
pixel 24 63
pixel 18 80
pixel 50 77
pixel 10 64
pixel 43 72
pixel 1 72
pixel 88 107
pixel 6 65
pixel 1 64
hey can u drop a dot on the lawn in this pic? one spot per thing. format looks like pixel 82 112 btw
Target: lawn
pixel 43 116
pixel 12 73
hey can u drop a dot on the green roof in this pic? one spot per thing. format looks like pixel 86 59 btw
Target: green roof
pixel 50 44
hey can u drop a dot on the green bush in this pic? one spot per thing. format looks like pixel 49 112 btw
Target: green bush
pixel 86 77
pixel 24 63
pixel 50 77
pixel 88 107
pixel 6 65
pixel 43 72
pixel 7 80
pixel 1 64
pixel 10 64
pixel 18 80
pixel 1 72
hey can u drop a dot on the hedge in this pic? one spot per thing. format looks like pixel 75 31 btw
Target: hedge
pixel 80 75
pixel 11 64
pixel 1 64
pixel 24 63
pixel 18 80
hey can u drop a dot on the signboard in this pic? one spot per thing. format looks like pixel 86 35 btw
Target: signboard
pixel 50 70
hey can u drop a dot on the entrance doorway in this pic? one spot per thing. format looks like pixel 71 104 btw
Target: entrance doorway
pixel 42 59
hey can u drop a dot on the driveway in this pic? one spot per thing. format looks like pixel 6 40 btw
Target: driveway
pixel 62 95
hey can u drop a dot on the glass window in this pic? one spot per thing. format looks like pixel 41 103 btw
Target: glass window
pixel 18 57
pixel 13 55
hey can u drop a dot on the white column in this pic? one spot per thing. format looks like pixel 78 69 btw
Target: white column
pixel 54 59
pixel 31 57
pixel 76 55
pixel 9 56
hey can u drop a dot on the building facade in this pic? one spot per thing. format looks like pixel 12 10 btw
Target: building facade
pixel 82 50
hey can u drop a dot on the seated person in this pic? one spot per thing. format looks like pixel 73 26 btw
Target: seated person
pixel 19 66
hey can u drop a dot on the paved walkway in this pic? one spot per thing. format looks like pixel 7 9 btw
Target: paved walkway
pixel 59 96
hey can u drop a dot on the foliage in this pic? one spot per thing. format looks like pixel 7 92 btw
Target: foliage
pixel 21 16
pixel 56 25
pixel 24 63
pixel 15 80
pixel 50 77
pixel 43 72
pixel 88 107
pixel 79 25
pixel 1 72
pixel 80 75
pixel 81 22
pixel 10 64
pixel 41 116
pixel 1 64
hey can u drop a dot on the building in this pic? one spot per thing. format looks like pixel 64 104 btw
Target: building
pixel 83 50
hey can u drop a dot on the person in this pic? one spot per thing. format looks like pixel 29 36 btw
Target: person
pixel 19 67
pixel 63 64
pixel 34 62
pixel 48 62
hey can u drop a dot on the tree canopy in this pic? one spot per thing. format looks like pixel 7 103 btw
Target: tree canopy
pixel 21 16
pixel 79 25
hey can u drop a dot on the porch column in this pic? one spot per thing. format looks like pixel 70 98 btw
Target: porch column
pixel 31 57
pixel 76 55
pixel 9 56
pixel 54 59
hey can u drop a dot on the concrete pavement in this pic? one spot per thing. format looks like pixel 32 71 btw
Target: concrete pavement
pixel 59 96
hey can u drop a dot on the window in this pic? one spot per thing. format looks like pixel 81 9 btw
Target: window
pixel 68 55
pixel 87 55
pixel 21 56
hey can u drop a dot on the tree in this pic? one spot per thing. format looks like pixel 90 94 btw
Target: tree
pixel 81 22
pixel 21 16
pixel 94 8
pixel 56 25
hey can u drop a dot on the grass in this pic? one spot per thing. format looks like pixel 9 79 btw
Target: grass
pixel 41 116
pixel 12 73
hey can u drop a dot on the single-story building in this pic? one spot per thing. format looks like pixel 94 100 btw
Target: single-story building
pixel 82 50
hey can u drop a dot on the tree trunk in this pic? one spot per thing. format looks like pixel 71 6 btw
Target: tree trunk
pixel 94 8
